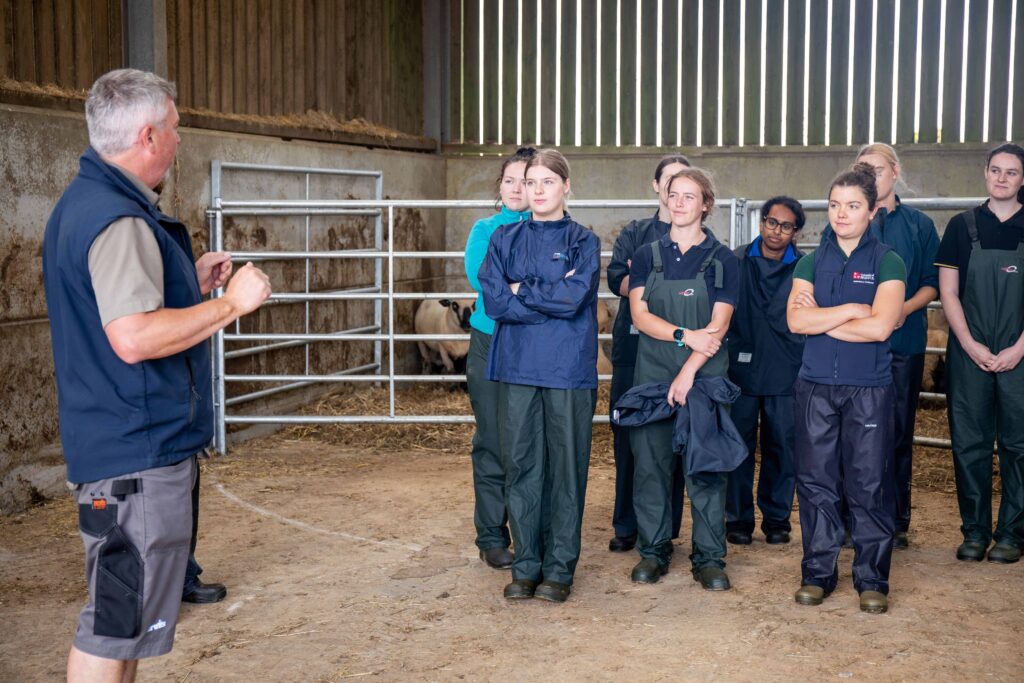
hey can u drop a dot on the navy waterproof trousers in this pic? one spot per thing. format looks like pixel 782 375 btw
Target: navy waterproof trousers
pixel 849 427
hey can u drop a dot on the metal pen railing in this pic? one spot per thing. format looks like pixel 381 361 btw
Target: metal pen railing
pixel 374 333
pixel 741 227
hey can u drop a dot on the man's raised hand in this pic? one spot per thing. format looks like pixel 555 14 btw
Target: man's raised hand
pixel 248 289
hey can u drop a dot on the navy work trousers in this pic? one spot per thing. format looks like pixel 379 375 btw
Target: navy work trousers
pixel 907 372
pixel 843 448
pixel 777 479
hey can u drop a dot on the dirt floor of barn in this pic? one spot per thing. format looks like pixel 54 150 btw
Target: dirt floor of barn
pixel 348 554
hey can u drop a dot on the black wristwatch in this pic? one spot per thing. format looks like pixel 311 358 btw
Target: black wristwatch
pixel 680 336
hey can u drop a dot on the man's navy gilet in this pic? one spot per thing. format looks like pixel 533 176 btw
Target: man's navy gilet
pixel 840 281
pixel 117 418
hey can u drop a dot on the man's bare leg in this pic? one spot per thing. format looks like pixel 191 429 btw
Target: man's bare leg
pixel 86 668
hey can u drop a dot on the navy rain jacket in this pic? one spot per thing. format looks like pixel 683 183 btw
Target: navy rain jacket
pixel 546 335
pixel 703 433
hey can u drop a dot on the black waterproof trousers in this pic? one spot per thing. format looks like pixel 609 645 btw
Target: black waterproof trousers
pixel 777 479
pixel 488 471
pixel 623 515
pixel 192 569
pixel 907 372
pixel 851 426
pixel 989 406
pixel 545 444
pixel 983 407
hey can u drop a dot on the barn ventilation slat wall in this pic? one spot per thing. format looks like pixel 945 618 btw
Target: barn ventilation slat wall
pixel 66 43
pixel 737 72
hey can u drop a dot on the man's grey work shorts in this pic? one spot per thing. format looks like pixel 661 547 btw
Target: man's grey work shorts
pixel 136 529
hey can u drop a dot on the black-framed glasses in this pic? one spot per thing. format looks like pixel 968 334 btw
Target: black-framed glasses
pixel 786 228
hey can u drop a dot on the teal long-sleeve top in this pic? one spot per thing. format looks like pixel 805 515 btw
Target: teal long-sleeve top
pixel 476 251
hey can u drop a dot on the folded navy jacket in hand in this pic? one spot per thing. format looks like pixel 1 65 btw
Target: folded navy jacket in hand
pixel 704 433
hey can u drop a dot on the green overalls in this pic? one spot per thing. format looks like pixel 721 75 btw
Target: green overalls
pixel 684 303
pixel 984 406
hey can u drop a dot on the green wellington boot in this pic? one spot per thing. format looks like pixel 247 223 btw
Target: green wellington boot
pixel 810 595
pixel 873 602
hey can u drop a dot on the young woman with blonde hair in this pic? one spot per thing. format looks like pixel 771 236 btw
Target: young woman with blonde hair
pixel 539 282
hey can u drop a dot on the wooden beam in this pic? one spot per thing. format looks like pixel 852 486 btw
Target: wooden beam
pixel 752 76
pixel 906 66
pixel 567 103
pixel 732 57
pixel 670 49
pixel 930 60
pixel 952 75
pixel 548 103
pixel 607 73
pixel 647 99
pixel 589 75
pixel 976 32
pixel 862 39
pixel 816 33
pixel 838 97
pixel 885 67
pixel 773 93
pixel 510 71
pixel 999 88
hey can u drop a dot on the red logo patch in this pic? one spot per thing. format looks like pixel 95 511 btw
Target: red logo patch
pixel 687 292
pixel 1009 269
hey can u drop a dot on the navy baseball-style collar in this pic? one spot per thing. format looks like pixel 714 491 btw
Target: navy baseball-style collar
pixel 790 256
pixel 562 222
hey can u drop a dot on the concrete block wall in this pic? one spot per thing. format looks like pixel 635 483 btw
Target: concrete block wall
pixel 751 173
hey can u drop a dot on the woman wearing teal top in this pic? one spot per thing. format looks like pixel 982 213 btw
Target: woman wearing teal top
pixel 490 518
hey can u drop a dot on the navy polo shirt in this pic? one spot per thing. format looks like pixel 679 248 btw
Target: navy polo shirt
pixel 686 266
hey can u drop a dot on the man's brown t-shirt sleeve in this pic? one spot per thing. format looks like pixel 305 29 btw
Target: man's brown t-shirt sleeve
pixel 127 270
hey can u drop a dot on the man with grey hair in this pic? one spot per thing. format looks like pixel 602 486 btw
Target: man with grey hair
pixel 129 327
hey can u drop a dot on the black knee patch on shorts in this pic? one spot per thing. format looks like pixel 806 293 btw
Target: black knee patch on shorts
pixel 119 575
